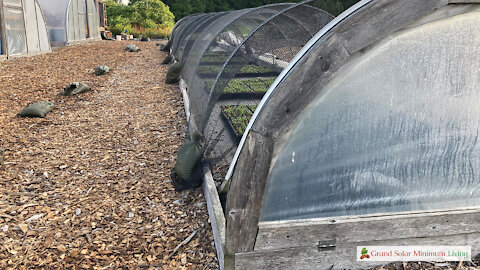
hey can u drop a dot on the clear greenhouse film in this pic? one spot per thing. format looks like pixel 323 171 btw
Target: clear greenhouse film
pixel 396 128
pixel 250 70
pixel 25 28
pixel 71 20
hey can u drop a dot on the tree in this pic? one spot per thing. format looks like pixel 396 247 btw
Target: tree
pixel 182 8
pixel 152 14
pixel 141 15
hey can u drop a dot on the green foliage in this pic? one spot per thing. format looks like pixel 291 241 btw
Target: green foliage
pixel 148 17
pixel 152 14
pixel 182 8
pixel 239 116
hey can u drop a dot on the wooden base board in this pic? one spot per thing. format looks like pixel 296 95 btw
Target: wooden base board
pixel 344 256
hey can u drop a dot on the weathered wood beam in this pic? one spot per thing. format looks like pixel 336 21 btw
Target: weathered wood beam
pixel 244 201
pixel 344 256
pixel 285 234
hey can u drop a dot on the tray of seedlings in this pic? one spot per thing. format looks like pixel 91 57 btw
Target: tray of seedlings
pixel 247 71
pixel 218 59
pixel 248 88
pixel 237 118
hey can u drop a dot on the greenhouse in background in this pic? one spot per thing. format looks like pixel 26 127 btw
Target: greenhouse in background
pixel 70 21
pixel 22 28
pixel 362 130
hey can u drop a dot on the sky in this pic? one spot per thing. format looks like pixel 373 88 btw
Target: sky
pixel 125 2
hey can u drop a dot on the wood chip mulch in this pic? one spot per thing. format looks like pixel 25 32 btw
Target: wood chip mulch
pixel 88 186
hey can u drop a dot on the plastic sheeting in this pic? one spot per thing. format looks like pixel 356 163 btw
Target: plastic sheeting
pixel 42 30
pixel 68 20
pixel 15 26
pixel 396 130
pixel 31 23
pixel 25 28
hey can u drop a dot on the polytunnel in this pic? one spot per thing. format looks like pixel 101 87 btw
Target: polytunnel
pixel 367 138
pixel 22 28
pixel 70 21
pixel 229 59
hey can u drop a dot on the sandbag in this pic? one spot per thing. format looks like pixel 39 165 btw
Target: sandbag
pixel 1 157
pixel 167 60
pixel 173 73
pixel 160 44
pixel 186 172
pixel 194 181
pixel 145 39
pixel 39 109
pixel 101 70
pixel 75 88
pixel 166 47
pixel 132 48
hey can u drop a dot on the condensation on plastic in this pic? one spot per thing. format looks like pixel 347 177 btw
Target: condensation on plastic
pixel 15 26
pixel 272 46
pixel 396 130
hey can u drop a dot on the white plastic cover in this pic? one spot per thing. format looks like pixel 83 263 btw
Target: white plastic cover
pixel 42 30
pixel 67 20
pixel 396 130
pixel 55 16
pixel 15 26
pixel 31 25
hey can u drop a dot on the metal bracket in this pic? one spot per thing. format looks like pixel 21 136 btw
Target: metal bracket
pixel 326 245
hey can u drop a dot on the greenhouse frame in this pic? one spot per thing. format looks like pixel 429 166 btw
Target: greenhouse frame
pixel 22 28
pixel 366 133
pixel 71 21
